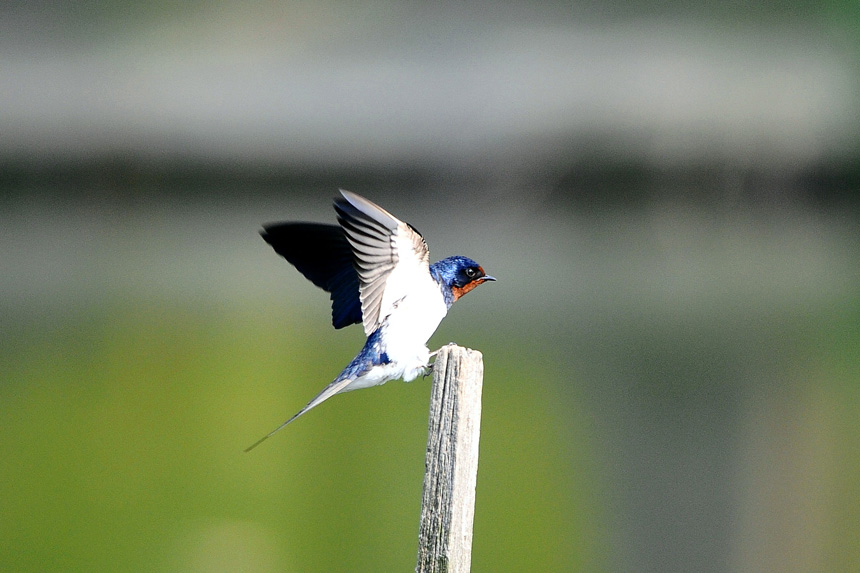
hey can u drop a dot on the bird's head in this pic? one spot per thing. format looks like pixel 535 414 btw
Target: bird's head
pixel 460 274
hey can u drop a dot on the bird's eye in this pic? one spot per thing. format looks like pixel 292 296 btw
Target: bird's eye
pixel 472 272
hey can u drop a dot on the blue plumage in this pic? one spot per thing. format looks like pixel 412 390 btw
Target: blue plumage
pixel 372 354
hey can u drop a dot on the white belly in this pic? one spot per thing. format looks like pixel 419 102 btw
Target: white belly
pixel 409 326
pixel 405 331
pixel 376 376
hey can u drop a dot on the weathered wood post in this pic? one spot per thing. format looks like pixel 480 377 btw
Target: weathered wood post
pixel 451 465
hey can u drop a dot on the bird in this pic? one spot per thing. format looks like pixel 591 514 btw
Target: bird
pixel 377 271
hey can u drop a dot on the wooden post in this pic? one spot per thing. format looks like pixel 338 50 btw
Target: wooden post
pixel 451 465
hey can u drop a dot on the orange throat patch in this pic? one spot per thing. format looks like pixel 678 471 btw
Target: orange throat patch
pixel 460 291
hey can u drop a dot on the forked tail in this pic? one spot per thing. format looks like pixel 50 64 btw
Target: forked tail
pixel 337 386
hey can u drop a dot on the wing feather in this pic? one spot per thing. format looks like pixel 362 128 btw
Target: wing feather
pixel 323 254
pixel 381 245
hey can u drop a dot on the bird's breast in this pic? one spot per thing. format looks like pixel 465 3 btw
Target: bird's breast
pixel 412 322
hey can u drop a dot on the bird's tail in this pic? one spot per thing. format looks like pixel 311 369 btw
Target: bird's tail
pixel 338 385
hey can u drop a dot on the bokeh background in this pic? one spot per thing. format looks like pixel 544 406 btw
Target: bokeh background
pixel 667 192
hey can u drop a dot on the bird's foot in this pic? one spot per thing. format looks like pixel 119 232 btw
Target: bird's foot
pixel 428 370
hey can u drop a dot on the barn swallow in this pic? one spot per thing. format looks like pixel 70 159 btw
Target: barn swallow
pixel 378 272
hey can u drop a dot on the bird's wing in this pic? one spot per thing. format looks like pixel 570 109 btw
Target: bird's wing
pixel 324 256
pixel 390 256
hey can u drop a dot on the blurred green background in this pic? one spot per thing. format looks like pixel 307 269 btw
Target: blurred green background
pixel 667 193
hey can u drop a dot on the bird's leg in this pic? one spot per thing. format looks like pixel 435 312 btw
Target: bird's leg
pixel 429 368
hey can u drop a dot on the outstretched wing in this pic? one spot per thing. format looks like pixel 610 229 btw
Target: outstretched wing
pixel 324 256
pixel 390 256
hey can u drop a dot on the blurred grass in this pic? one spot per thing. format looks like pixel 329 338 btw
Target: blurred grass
pixel 122 450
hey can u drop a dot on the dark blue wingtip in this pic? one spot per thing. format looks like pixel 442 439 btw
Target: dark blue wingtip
pixel 323 255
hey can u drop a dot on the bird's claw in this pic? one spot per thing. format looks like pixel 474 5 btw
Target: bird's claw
pixel 427 370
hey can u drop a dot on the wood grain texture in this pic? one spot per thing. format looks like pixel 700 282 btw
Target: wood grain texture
pixel 451 464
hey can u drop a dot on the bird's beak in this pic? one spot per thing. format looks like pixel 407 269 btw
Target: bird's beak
pixel 488 278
